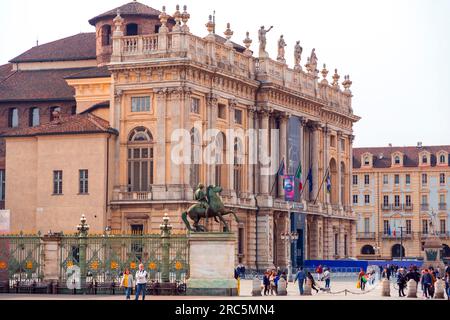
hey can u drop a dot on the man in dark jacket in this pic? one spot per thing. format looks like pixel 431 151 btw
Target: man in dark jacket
pixel 427 281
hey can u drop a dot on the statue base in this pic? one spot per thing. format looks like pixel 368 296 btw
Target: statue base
pixel 212 263
pixel 432 253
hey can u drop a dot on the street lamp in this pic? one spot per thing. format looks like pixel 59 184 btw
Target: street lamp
pixel 289 238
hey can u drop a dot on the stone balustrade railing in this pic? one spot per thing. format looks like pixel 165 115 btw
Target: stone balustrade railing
pixel 208 51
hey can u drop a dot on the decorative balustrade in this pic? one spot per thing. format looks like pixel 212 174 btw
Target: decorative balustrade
pixel 133 196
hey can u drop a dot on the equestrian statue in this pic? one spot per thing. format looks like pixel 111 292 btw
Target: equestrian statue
pixel 209 206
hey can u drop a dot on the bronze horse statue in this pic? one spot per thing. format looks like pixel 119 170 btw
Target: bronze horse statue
pixel 216 210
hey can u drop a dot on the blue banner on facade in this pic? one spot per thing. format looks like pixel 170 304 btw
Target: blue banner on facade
pixel 289 188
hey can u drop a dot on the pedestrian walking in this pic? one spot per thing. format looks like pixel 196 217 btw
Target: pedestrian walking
pixel 401 282
pixel 327 278
pixel 426 284
pixel 319 271
pixel 362 279
pixel 300 277
pixel 273 287
pixel 313 283
pixel 141 282
pixel 127 283
pixel 266 283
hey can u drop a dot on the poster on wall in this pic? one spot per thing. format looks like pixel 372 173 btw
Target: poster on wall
pixel 289 188
pixel 5 222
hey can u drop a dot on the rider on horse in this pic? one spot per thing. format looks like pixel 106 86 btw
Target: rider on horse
pixel 200 196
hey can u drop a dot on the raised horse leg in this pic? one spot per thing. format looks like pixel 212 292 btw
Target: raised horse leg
pixel 227 228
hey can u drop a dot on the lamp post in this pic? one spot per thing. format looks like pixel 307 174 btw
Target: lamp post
pixel 166 229
pixel 289 237
pixel 83 229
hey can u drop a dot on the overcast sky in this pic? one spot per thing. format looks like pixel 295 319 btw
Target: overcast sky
pixel 395 51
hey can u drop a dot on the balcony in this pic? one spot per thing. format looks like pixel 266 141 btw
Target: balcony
pixel 441 235
pixel 424 207
pixel 397 207
pixel 134 196
pixel 365 235
pixel 386 207
pixel 442 206
pixel 396 236
pixel 408 207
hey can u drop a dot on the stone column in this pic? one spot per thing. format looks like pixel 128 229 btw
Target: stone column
pixel 264 140
pixel 211 116
pixel 283 151
pixel 339 174
pixel 159 187
pixel 341 239
pixel 326 161
pixel 352 238
pixel 251 150
pixel 51 258
pixel 351 138
pixel 315 160
pixel 115 121
pixel 232 106
pixel 265 229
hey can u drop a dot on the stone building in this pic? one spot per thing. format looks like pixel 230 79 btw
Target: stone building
pixel 146 76
pixel 394 191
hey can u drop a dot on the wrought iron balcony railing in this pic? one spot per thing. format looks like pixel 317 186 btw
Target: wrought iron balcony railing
pixel 424 207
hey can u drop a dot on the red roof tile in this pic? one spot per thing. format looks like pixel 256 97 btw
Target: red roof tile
pixel 77 47
pixel 382 156
pixel 76 124
pixel 37 85
pixel 5 71
pixel 130 9
pixel 96 72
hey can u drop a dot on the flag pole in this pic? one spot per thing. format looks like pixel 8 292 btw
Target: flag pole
pixel 321 185
pixel 276 178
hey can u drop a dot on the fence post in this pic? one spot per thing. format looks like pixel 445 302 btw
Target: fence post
pixel 83 229
pixel 51 244
pixel 165 236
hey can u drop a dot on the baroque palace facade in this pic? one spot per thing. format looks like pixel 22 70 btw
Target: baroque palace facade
pixel 120 93
pixel 395 189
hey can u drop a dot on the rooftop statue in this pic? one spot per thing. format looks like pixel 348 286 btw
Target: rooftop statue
pixel 298 50
pixel 209 206
pixel 313 61
pixel 263 40
pixel 281 51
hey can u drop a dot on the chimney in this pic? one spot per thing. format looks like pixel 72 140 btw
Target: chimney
pixel 419 145
pixel 390 145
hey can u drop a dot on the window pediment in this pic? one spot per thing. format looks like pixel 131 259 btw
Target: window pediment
pixel 424 158
pixel 367 159
pixel 397 159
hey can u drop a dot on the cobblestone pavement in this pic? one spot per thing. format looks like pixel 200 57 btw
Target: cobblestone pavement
pixel 337 288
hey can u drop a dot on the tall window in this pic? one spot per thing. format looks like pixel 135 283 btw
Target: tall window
pixel 336 244
pixel 386 200
pixel 238 161
pixel 220 158
pixel 52 110
pixel 2 185
pixel 397 201
pixel 238 116
pixel 408 179
pixel 195 105
pixel 442 178
pixel 366 179
pixel 424 179
pixel 355 180
pixel 241 241
pixel 386 227
pixel 222 111
pixel 34 117
pixel 84 182
pixel 397 179
pixel 13 118
pixel 342 184
pixel 355 199
pixel 408 200
pixel 140 104
pixel 57 182
pixel 342 145
pixel 385 179
pixel 424 159
pixel 443 226
pixel 345 245
pixel 425 226
pixel 397 160
pixel 106 35
pixel 366 161
pixel 196 150
pixel 367 199
pixel 366 225
pixel 140 160
pixel 408 227
pixel 442 159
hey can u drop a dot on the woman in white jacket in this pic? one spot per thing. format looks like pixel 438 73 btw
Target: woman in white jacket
pixel 127 283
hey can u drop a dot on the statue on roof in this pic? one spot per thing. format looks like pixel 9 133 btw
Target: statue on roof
pixel 263 40
pixel 313 61
pixel 281 51
pixel 298 50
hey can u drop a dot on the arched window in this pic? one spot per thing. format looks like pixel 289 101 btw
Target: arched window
pixel 366 161
pixel 237 166
pixel 220 159
pixel 367 249
pixel 397 160
pixel 132 29
pixel 140 160
pixel 442 159
pixel 424 159
pixel 334 181
pixel 106 35
pixel 196 153
pixel 398 251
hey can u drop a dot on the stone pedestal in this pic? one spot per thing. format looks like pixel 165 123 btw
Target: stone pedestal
pixel 432 253
pixel 412 289
pixel 256 287
pixel 307 291
pixel 439 289
pixel 51 259
pixel 385 288
pixel 212 259
pixel 282 287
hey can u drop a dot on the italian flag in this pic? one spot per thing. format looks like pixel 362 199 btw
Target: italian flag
pixel 298 175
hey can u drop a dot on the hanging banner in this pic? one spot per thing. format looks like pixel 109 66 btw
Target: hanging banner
pixel 289 188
